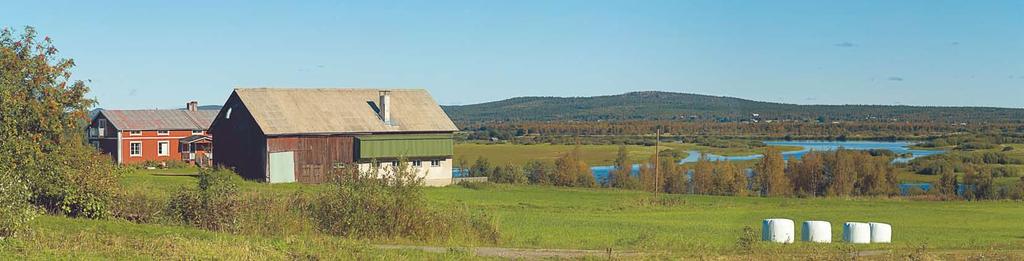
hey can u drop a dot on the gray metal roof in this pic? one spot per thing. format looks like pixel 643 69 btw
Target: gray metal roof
pixel 159 119
pixel 280 111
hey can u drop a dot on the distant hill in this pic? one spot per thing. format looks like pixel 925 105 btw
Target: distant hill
pixel 653 105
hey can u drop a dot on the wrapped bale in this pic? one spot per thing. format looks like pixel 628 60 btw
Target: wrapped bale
pixel 881 232
pixel 817 232
pixel 857 233
pixel 778 230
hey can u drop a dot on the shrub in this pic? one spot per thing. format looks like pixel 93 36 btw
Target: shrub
pixel 386 204
pixel 376 205
pixel 212 205
pixel 508 174
pixel 140 206
pixel 1005 171
pixel 747 239
pixel 15 210
pixel 266 214
pixel 540 172
pixel 76 181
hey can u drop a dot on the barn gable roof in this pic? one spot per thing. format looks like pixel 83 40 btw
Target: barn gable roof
pixel 283 111
pixel 159 119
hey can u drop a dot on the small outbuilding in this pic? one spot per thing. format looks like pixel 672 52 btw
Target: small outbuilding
pixel 299 135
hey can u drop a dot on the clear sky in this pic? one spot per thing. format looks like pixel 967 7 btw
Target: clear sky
pixel 159 55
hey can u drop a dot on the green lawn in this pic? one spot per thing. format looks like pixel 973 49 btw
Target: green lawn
pixel 547 217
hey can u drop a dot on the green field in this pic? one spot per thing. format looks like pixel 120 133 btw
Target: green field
pixel 603 218
pixel 595 155
pixel 550 217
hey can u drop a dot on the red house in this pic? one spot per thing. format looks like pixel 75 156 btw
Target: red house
pixel 137 136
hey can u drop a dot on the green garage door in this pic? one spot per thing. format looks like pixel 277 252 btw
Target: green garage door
pixel 404 145
pixel 282 167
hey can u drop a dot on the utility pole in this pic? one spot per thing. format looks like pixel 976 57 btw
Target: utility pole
pixel 657 158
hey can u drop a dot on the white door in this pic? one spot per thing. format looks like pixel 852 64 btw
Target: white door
pixel 282 167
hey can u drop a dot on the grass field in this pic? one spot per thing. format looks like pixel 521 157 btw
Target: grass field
pixel 602 218
pixel 551 217
pixel 595 155
pixel 60 238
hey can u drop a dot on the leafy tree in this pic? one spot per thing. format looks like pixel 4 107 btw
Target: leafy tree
pixel 842 173
pixel 570 170
pixel 481 168
pixel 947 183
pixel 622 175
pixel 42 118
pixel 770 174
pixel 463 166
pixel 808 174
pixel 540 172
pixel 737 180
pixel 876 176
pixel 1018 189
pixel 702 176
pixel 508 173
pixel 979 184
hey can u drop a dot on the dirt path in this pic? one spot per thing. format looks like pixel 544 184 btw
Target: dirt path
pixel 519 253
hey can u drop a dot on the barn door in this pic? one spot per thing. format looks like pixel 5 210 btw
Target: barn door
pixel 282 167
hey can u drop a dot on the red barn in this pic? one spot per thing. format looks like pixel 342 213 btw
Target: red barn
pixel 137 136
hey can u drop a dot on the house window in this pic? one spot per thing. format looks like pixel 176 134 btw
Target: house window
pixel 394 163
pixel 163 132
pixel 417 163
pixel 435 163
pixel 95 144
pixel 163 148
pixel 101 125
pixel 135 149
pixel 134 133
pixel 197 132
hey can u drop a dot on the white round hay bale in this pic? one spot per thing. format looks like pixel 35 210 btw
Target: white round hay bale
pixel 817 232
pixel 881 232
pixel 778 230
pixel 857 233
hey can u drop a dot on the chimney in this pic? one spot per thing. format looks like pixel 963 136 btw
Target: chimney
pixel 192 106
pixel 385 106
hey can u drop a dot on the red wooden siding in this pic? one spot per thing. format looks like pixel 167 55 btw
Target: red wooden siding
pixel 314 155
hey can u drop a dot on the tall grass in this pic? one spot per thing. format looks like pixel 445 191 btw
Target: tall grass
pixel 389 204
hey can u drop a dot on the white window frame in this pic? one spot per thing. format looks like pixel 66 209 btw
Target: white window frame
pixel 131 152
pixel 159 147
pixel 101 127
pixel 163 132
pixel 417 163
pixel 135 133
pixel 435 163
pixel 197 132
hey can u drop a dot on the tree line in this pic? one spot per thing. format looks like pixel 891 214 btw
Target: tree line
pixel 764 130
pixel 837 173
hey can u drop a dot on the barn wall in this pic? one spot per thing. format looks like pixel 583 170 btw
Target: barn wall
pixel 314 155
pixel 238 141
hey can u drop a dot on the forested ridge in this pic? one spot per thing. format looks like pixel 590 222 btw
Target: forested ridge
pixel 655 105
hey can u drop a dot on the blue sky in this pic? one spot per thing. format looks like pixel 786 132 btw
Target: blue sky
pixel 159 55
